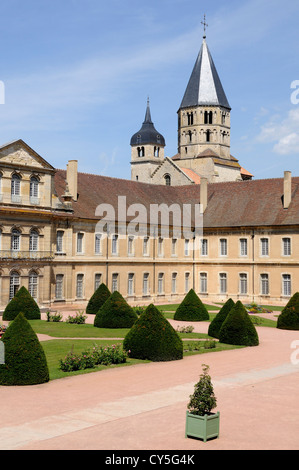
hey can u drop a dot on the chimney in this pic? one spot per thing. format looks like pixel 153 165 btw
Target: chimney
pixel 287 189
pixel 72 178
pixel 203 193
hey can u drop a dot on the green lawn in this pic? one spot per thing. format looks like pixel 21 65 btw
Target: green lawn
pixel 70 330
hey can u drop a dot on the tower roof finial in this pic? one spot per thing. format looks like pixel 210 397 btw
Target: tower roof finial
pixel 204 26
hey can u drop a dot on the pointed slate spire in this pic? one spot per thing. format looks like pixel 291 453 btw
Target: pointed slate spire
pixel 204 87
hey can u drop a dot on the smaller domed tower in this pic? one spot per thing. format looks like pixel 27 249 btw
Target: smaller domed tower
pixel 147 150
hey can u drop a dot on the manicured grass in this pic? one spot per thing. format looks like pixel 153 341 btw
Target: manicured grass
pixel 69 330
pixel 173 307
pixel 197 347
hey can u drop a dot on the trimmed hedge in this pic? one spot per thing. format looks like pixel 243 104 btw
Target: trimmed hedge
pixel 238 328
pixel 115 313
pixel 216 323
pixel 289 317
pixel 22 302
pixel 191 309
pixel 153 338
pixel 25 360
pixel 99 297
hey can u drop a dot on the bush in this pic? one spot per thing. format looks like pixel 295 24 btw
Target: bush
pixel 216 323
pixel 25 360
pixel 203 400
pixel 54 317
pixel 153 338
pixel 191 309
pixel 99 297
pixel 289 317
pixel 78 319
pixel 22 302
pixel 91 358
pixel 238 328
pixel 115 313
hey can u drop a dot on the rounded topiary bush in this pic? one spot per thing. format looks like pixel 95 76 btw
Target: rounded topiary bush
pixel 22 302
pixel 289 317
pixel 238 328
pixel 115 313
pixel 152 337
pixel 25 360
pixel 101 294
pixel 216 323
pixel 191 309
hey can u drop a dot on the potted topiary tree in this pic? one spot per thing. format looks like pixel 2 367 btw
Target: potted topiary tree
pixel 200 422
pixel 191 309
pixel 99 297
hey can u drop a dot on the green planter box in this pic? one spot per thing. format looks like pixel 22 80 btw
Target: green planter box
pixel 202 427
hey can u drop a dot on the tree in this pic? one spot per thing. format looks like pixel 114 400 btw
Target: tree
pixel 216 323
pixel 203 400
pixel 152 337
pixel 289 317
pixel 238 328
pixel 191 309
pixel 22 302
pixel 25 360
pixel 115 313
pixel 99 297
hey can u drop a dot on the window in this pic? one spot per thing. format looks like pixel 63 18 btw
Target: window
pixel 187 282
pixel 97 280
pixel 223 247
pixel 208 135
pixel 15 185
pixel 286 285
pixel 15 240
pixel 156 151
pixel 204 247
pixel 79 286
pixel 187 247
pixel 34 183
pixel 223 283
pixel 190 119
pixel 264 284
pixel 167 180
pixel 264 247
pixel 145 246
pixel 173 246
pixel 80 237
pixel 243 246
pixel 114 282
pixel 145 288
pixel 33 280
pixel 190 136
pixel 161 283
pixel 208 117
pixel 114 247
pixel 130 284
pixel 130 246
pixel 140 151
pixel 203 283
pixel 173 283
pixel 59 241
pixel 160 246
pixel 286 244
pixel 243 283
pixel 14 284
pixel 97 244
pixel 59 287
pixel 33 241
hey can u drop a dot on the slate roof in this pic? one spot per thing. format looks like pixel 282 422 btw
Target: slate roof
pixel 147 134
pixel 204 87
pixel 249 203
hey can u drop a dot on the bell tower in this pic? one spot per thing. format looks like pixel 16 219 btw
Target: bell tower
pixel 147 150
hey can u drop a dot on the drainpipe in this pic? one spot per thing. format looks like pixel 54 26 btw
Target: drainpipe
pixel 253 266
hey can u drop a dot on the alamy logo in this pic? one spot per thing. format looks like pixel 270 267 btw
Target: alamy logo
pixel 295 94
pixel 2 92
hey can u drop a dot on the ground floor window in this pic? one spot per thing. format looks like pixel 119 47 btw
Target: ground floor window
pixel 97 280
pixel 173 283
pixel 286 285
pixel 203 284
pixel 14 284
pixel 223 283
pixel 59 287
pixel 145 284
pixel 243 283
pixel 79 287
pixel 264 284
pixel 130 284
pixel 114 282
pixel 33 282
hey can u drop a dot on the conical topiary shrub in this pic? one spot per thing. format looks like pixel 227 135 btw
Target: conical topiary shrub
pixel 115 313
pixel 191 309
pixel 101 294
pixel 216 323
pixel 25 360
pixel 22 302
pixel 152 337
pixel 289 317
pixel 238 328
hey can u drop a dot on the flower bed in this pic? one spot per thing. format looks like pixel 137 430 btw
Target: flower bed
pixel 98 355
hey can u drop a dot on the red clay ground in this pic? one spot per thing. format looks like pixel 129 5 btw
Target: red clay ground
pixel 143 407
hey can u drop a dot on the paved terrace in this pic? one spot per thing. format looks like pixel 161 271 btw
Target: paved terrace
pixel 143 407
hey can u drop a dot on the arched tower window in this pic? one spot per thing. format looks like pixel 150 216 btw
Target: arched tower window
pixel 208 135
pixel 167 180
pixel 156 151
pixel 140 151
pixel 190 119
pixel 190 136
pixel 208 117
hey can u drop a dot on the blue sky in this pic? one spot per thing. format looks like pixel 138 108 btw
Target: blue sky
pixel 77 74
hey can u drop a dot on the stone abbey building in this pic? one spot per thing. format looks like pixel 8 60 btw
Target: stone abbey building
pixel 50 240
